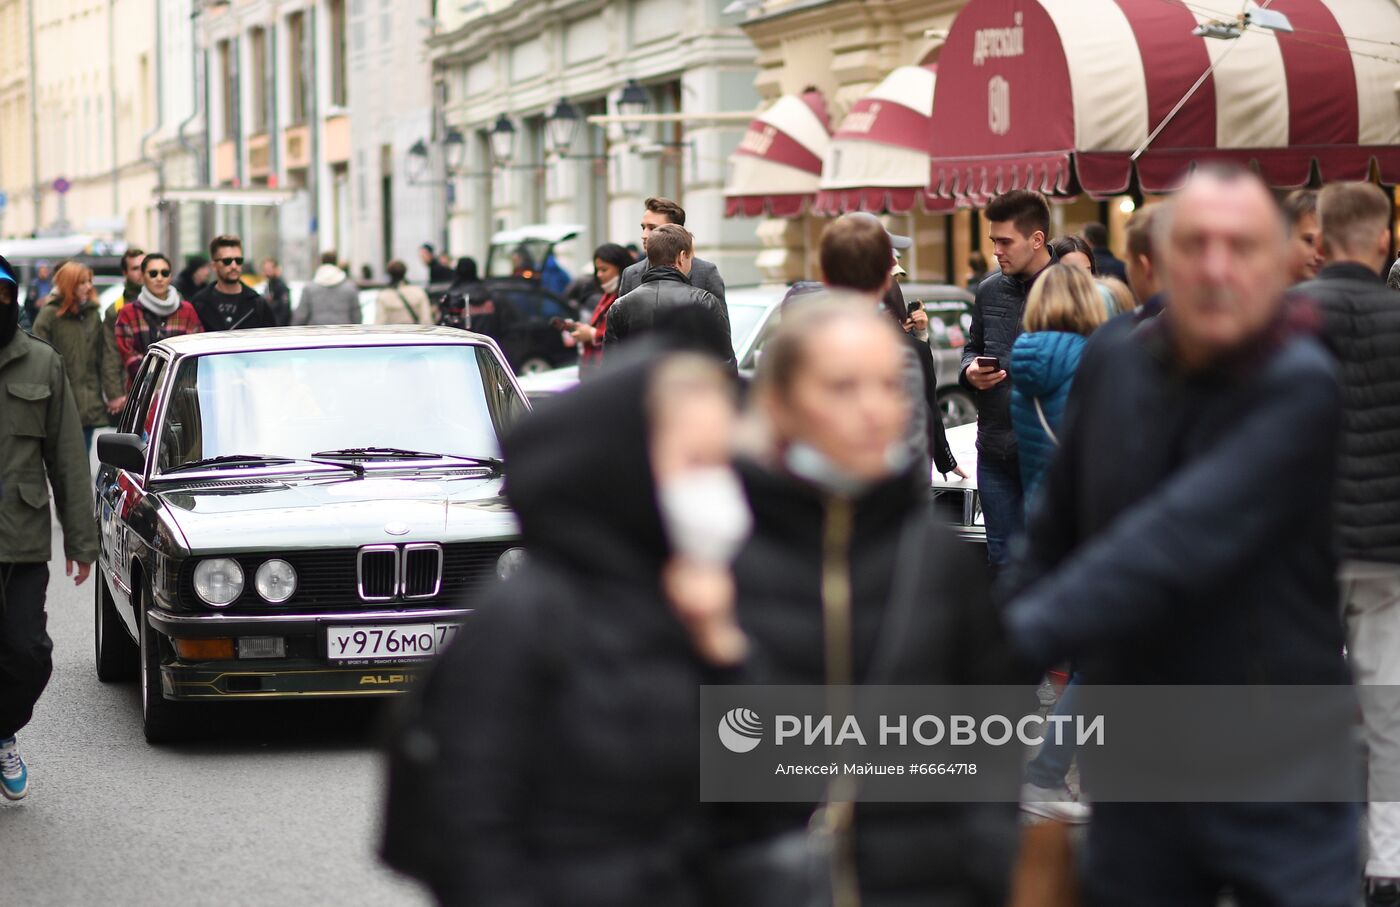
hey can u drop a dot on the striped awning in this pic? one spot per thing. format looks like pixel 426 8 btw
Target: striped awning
pixel 778 166
pixel 1057 95
pixel 878 160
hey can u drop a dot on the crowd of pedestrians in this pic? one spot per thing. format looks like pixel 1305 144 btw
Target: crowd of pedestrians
pixel 1168 474
pixel 1189 469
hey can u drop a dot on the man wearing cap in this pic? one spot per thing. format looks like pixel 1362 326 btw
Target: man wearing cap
pixel 41 445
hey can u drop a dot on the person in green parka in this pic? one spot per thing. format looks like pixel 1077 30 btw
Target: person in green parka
pixel 71 322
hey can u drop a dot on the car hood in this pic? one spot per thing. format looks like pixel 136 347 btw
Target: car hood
pixel 283 512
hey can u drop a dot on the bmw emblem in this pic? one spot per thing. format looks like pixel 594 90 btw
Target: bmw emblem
pixel 396 528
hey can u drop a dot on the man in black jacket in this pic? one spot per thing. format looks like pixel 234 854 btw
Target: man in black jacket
pixel 703 274
pixel 1361 322
pixel 1184 536
pixel 666 301
pixel 230 304
pixel 1108 264
pixel 1019 224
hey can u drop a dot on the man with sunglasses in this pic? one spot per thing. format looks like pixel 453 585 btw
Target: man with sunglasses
pixel 44 460
pixel 230 304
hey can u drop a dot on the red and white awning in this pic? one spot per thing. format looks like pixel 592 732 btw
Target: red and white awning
pixel 1058 94
pixel 878 160
pixel 778 166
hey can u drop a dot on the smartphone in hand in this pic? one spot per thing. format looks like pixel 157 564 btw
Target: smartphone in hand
pixel 990 362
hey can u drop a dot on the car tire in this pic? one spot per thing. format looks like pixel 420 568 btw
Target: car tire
pixel 162 720
pixel 535 365
pixel 957 407
pixel 117 654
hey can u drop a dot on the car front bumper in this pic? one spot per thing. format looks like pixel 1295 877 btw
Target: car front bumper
pixel 305 672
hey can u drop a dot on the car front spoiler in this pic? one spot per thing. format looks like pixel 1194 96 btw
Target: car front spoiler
pixel 284 679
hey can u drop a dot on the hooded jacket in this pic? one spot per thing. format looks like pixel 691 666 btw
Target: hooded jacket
pixel 330 298
pixel 996 323
pixel 666 301
pixel 78 337
pixel 905 853
pixel 1361 323
pixel 1043 364
pixel 569 708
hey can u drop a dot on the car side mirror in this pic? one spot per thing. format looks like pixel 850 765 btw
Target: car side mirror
pixel 123 451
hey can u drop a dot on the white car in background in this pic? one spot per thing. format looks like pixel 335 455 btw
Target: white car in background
pixel 753 314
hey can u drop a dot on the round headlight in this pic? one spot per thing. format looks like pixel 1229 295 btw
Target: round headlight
pixel 219 581
pixel 510 562
pixel 276 581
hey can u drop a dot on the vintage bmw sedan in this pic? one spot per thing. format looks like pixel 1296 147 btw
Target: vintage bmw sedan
pixel 299 512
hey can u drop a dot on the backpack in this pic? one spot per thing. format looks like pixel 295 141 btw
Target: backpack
pixel 452 311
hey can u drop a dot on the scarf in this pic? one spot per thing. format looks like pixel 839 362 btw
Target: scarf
pixel 160 308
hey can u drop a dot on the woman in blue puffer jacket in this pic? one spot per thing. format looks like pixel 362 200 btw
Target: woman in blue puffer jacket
pixel 1065 306
pixel 1063 309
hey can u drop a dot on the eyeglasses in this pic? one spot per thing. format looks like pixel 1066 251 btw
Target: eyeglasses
pixel 227 262
pixel 162 272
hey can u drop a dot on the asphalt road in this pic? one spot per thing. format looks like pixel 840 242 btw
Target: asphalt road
pixel 278 804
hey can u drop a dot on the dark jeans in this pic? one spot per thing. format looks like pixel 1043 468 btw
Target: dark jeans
pixel 999 487
pixel 1051 764
pixel 87 438
pixel 1183 854
pixel 25 648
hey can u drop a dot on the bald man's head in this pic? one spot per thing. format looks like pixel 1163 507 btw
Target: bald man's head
pixel 1224 254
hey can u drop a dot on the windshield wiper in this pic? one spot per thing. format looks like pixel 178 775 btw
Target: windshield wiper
pixel 399 453
pixel 257 460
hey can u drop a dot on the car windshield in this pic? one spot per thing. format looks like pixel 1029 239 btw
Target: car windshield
pixel 451 400
pixel 742 320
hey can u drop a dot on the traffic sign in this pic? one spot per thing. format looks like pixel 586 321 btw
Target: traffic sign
pixel 61 186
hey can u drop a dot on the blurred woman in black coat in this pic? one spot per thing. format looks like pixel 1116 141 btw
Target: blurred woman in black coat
pixel 834 500
pixel 569 772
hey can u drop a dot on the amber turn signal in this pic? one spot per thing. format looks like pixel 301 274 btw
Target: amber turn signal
pixel 218 649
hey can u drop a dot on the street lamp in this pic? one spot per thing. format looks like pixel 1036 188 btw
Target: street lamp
pixel 633 102
pixel 418 162
pixel 561 127
pixel 454 150
pixel 503 140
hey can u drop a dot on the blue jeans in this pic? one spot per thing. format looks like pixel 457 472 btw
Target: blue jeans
pixel 999 487
pixel 1051 764
pixel 87 438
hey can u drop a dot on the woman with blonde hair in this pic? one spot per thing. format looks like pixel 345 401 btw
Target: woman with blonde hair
pixel 1063 309
pixel 71 323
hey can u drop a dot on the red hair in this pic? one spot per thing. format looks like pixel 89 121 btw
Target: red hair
pixel 65 284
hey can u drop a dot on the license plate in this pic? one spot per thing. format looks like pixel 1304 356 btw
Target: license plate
pixel 388 643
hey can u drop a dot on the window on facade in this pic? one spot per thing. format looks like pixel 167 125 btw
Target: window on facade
pixel 226 82
pixel 257 39
pixel 338 49
pixel 296 65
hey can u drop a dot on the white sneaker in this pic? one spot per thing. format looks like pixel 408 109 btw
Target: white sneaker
pixel 14 774
pixel 1053 803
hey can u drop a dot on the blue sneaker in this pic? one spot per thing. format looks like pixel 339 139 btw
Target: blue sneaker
pixel 14 774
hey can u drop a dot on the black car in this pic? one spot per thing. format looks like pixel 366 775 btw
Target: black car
pixel 523 318
pixel 299 512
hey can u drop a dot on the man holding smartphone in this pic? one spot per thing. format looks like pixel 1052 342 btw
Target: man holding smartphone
pixel 1019 227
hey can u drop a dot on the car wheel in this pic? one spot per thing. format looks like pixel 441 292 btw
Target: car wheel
pixel 117 654
pixel 534 366
pixel 163 721
pixel 957 408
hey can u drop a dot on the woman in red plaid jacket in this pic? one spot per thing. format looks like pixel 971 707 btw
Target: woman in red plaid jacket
pixel 156 314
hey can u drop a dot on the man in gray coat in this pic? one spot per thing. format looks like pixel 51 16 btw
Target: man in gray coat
pixel 703 274
pixel 330 298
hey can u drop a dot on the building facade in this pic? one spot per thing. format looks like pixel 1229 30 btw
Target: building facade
pixel 18 216
pixel 391 212
pixel 277 102
pixel 518 59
